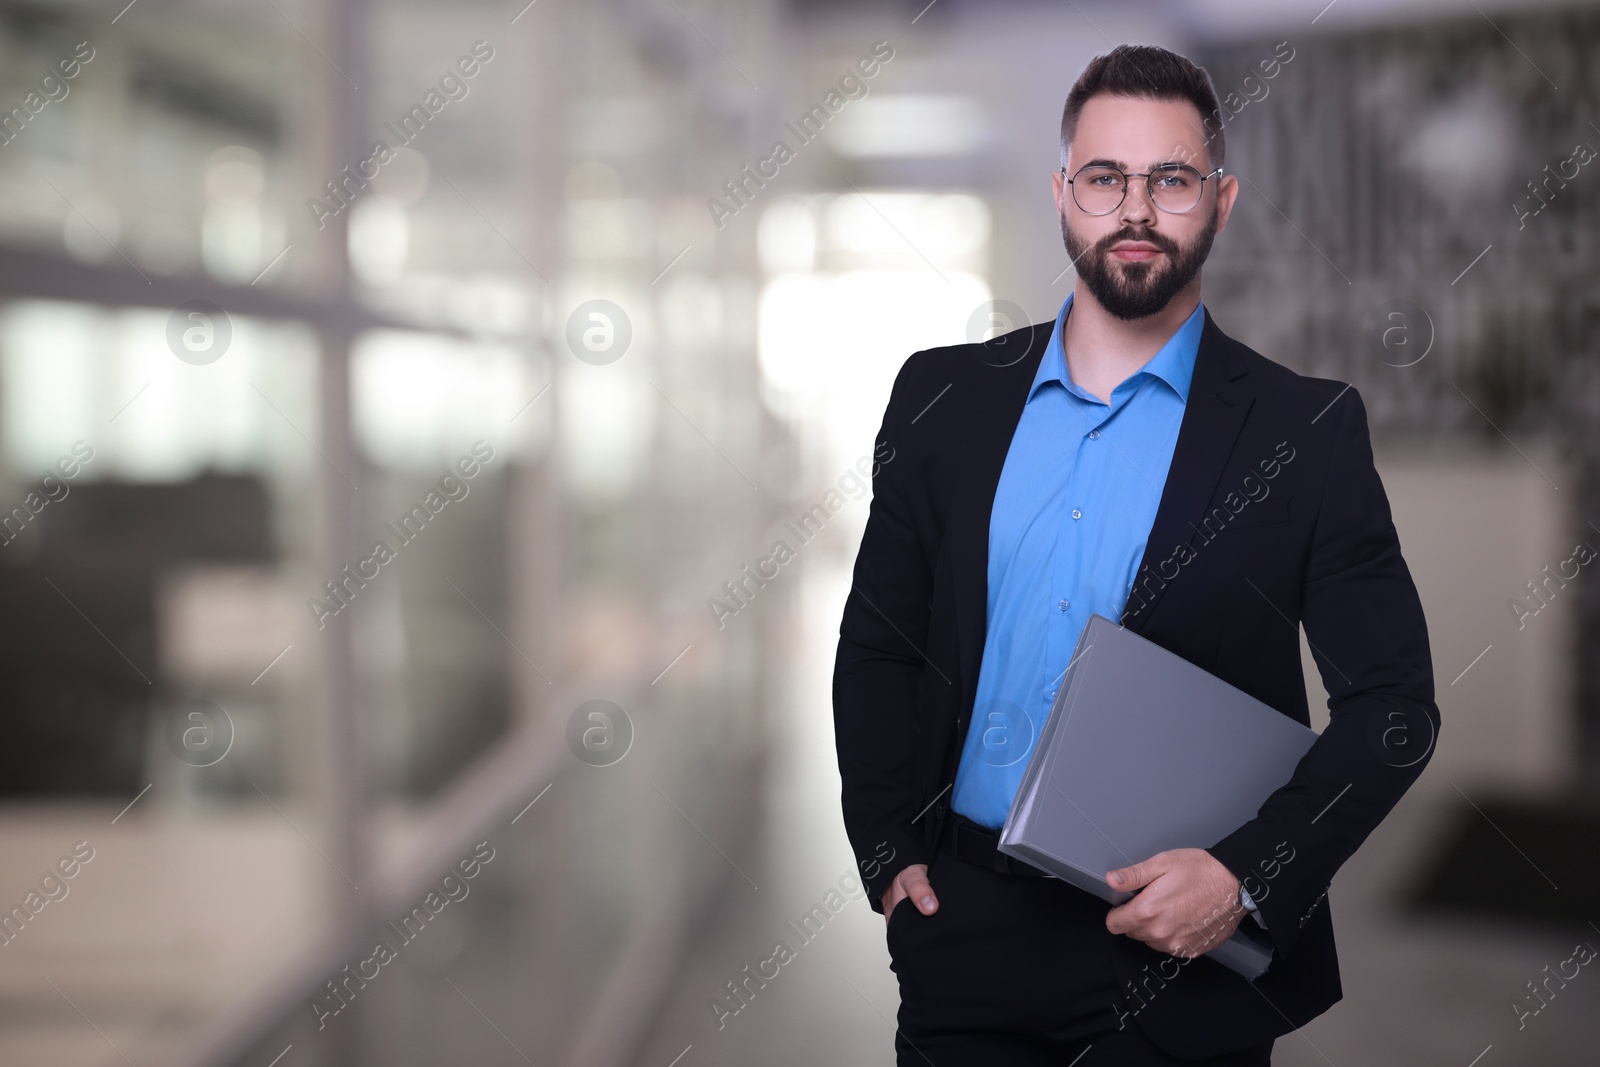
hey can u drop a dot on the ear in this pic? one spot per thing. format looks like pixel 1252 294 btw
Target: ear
pixel 1227 193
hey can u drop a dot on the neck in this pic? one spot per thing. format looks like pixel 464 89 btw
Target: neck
pixel 1103 350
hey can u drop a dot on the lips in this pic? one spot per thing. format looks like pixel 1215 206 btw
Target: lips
pixel 1135 251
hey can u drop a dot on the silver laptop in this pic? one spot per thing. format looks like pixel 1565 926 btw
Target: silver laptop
pixel 1144 752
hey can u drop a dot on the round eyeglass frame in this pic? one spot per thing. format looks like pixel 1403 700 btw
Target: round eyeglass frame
pixel 1149 190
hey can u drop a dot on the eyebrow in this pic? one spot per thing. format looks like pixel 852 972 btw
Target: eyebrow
pixel 1102 162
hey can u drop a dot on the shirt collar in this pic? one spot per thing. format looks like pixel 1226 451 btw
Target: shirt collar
pixel 1173 364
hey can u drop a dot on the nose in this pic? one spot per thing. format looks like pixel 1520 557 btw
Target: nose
pixel 1136 206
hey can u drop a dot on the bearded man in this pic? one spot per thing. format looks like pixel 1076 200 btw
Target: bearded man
pixel 1080 467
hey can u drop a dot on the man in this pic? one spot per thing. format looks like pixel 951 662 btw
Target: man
pixel 1132 460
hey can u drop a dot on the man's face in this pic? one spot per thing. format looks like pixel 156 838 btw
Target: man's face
pixel 1136 259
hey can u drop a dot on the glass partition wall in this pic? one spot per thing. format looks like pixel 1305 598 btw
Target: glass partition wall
pixel 378 420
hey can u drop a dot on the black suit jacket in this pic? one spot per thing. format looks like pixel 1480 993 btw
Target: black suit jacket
pixel 1272 517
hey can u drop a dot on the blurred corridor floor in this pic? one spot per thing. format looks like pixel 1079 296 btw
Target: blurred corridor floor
pixel 835 1001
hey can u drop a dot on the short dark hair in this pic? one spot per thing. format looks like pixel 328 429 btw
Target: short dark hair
pixel 1150 73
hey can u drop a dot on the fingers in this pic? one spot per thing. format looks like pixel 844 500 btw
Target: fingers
pixel 1139 918
pixel 1137 875
pixel 910 882
pixel 1124 878
pixel 1145 916
pixel 1196 940
pixel 1185 914
pixel 1153 929
pixel 918 889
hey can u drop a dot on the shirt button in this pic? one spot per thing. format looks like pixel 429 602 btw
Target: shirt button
pixel 1076 514
pixel 1094 434
pixel 1063 605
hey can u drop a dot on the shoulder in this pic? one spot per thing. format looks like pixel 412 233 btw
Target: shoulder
pixel 961 377
pixel 1323 404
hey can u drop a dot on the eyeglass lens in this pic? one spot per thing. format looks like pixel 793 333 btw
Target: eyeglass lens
pixel 1099 190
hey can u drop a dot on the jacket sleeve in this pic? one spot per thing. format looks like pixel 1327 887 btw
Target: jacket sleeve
pixel 880 660
pixel 1364 622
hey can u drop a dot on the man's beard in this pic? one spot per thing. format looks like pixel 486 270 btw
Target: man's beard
pixel 1139 289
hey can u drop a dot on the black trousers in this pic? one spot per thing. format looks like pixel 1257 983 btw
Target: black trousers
pixel 1014 971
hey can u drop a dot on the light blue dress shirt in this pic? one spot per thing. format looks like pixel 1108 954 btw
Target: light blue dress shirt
pixel 1072 512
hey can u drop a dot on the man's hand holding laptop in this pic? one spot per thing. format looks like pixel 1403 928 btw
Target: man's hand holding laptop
pixel 1185 903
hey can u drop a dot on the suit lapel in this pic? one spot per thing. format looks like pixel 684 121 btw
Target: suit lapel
pixel 1218 403
pixel 1003 383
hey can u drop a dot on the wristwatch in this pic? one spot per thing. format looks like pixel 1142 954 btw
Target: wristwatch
pixel 1249 905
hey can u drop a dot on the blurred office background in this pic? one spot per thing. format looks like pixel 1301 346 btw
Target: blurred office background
pixel 558 742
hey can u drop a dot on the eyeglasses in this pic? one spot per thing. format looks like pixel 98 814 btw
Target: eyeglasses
pixel 1173 187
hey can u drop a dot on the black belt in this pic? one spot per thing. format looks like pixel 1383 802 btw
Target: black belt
pixel 970 841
